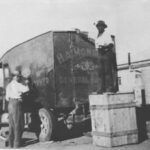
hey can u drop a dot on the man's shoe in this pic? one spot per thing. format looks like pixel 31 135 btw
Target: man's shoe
pixel 6 143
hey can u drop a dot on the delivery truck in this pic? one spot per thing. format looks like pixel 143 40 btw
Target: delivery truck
pixel 62 67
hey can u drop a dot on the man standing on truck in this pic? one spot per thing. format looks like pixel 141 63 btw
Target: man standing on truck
pixel 14 90
pixel 107 59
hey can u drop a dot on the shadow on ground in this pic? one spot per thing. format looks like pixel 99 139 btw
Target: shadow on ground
pixel 29 141
pixel 63 133
pixel 79 129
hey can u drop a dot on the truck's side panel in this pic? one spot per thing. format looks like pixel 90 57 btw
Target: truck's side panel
pixel 63 70
pixel 76 68
pixel 85 68
pixel 36 57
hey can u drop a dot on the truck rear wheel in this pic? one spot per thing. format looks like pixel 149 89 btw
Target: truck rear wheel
pixel 47 125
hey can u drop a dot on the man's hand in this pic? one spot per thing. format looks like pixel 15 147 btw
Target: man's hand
pixel 26 82
pixel 104 47
pixel 100 46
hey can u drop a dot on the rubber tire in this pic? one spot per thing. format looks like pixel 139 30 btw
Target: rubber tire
pixel 51 125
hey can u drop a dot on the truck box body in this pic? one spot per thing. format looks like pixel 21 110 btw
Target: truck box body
pixel 63 67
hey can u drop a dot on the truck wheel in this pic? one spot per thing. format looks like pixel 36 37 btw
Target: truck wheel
pixel 47 125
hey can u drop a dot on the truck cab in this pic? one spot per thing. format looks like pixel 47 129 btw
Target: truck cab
pixel 4 80
pixel 1 86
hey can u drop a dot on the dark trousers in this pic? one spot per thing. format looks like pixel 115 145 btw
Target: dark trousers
pixel 107 72
pixel 16 122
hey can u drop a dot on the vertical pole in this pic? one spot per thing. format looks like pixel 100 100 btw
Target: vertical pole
pixel 129 60
pixel 113 39
pixel 116 86
pixel 4 88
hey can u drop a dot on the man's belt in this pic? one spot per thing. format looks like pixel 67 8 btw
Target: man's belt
pixel 103 50
pixel 17 99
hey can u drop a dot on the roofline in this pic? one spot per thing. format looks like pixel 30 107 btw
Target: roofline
pixel 120 66
pixel 134 65
pixel 54 31
pixel 135 62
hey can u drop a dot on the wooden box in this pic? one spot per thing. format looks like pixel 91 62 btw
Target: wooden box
pixel 113 119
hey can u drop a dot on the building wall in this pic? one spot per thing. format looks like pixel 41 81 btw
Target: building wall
pixel 146 81
pixel 128 80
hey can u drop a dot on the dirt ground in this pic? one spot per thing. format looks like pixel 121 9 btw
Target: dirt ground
pixel 79 138
pixel 83 142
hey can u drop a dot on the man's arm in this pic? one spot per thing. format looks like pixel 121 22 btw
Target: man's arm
pixel 23 88
pixel 7 93
pixel 105 47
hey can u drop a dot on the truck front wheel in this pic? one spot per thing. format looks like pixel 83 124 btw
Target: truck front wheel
pixel 47 125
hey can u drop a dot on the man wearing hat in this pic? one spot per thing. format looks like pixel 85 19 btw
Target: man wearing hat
pixel 14 90
pixel 107 59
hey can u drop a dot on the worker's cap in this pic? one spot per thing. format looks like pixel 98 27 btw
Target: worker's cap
pixel 101 23
pixel 16 73
pixel 26 72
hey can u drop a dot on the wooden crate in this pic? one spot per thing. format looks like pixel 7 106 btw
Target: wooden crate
pixel 113 119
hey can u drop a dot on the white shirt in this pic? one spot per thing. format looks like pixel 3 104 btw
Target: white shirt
pixel 103 40
pixel 14 90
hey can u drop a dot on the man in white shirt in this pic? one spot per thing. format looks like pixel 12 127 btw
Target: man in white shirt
pixel 104 44
pixel 14 91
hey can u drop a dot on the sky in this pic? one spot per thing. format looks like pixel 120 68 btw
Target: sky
pixel 128 20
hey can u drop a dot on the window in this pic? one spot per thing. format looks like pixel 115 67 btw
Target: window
pixel 119 80
pixel 1 77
